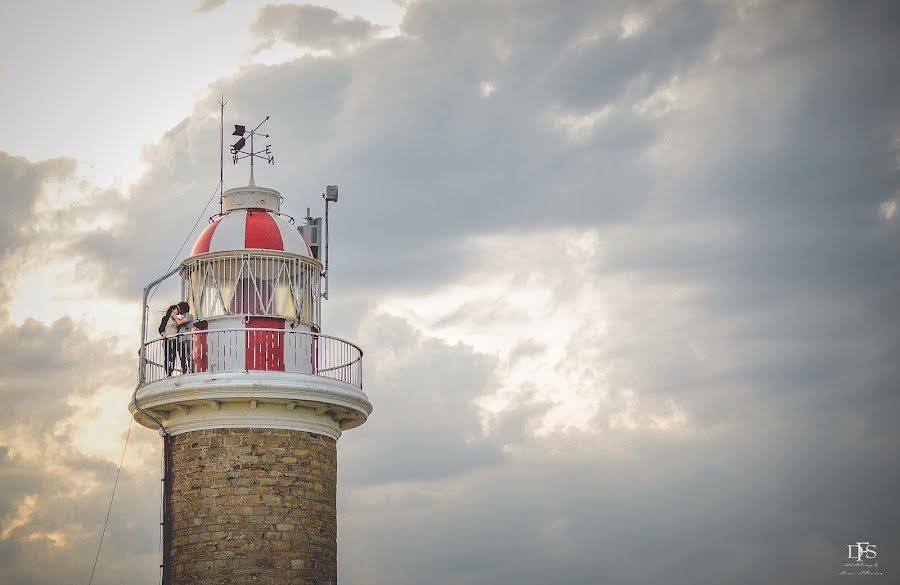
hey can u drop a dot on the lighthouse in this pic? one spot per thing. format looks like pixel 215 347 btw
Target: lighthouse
pixel 252 403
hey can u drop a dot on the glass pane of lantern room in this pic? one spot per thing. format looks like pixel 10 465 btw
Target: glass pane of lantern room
pixel 202 295
pixel 225 271
pixel 305 293
pixel 283 301
pixel 194 292
pixel 253 289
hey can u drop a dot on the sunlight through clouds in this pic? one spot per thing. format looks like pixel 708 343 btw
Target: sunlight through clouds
pixel 888 209
pixel 632 25
pixel 579 127
pixel 516 307
pixel 56 288
pixel 21 517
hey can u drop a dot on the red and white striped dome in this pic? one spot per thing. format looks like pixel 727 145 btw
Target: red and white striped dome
pixel 244 229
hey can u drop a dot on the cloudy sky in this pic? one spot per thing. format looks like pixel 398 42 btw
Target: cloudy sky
pixel 627 275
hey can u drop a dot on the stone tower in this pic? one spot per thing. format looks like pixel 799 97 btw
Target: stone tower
pixel 250 401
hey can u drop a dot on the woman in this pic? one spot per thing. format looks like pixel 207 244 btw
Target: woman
pixel 168 328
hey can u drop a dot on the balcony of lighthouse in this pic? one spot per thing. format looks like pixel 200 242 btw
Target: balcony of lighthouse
pixel 255 355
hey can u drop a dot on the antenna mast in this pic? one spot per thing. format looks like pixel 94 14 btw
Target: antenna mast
pixel 330 196
pixel 221 151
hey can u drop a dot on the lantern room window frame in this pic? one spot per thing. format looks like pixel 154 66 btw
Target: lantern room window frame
pixel 257 282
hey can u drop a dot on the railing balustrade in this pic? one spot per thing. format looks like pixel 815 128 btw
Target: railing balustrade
pixel 251 350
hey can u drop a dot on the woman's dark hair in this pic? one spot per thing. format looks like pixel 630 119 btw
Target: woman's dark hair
pixel 165 318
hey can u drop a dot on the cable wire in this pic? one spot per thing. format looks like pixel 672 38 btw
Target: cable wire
pixel 162 503
pixel 190 233
pixel 111 499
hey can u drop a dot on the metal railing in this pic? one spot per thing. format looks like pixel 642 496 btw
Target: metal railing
pixel 250 350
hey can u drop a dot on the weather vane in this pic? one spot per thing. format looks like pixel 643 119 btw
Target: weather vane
pixel 237 152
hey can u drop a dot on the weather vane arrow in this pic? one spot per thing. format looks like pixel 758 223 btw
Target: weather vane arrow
pixel 238 152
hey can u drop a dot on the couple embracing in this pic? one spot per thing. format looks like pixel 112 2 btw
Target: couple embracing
pixel 176 329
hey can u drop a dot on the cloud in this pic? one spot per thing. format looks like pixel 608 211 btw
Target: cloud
pixel 21 185
pixel 54 488
pixel 21 182
pixel 428 424
pixel 575 509
pixel 54 491
pixel 309 26
pixel 396 142
pixel 21 517
pixel 43 367
pixel 56 523
pixel 209 5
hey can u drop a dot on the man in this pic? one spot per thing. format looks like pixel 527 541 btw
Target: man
pixel 184 321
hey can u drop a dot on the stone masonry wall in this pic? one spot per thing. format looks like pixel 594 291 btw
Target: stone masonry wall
pixel 253 506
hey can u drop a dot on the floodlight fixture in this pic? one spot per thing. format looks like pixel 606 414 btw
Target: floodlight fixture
pixel 331 193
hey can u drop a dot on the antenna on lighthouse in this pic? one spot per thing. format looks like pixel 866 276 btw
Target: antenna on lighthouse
pixel 237 152
pixel 222 103
pixel 330 196
pixel 315 234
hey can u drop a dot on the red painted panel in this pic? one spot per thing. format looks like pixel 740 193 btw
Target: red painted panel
pixel 265 349
pixel 200 350
pixel 202 244
pixel 261 231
